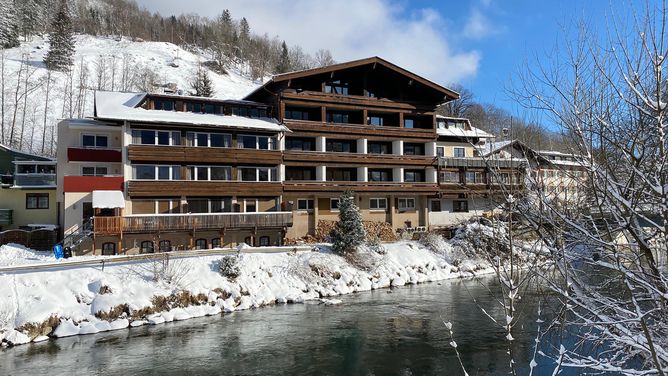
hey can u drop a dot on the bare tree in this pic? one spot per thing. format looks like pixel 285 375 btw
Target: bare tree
pixel 459 107
pixel 608 94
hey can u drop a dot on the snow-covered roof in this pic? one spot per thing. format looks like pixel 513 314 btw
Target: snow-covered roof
pixel 492 147
pixel 457 132
pixel 123 106
pixel 108 199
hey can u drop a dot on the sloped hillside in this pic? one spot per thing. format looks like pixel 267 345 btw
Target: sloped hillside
pixel 33 100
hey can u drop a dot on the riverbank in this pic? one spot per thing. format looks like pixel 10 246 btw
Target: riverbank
pixel 36 305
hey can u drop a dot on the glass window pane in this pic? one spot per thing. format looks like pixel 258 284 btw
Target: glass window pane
pixel 202 173
pixel 148 137
pixel 163 172
pixel 88 140
pixel 198 205
pixel 163 138
pixel 88 171
pixel 145 172
pixel 263 174
pixel 101 171
pixel 176 138
pixel 219 140
pixel 101 141
pixel 202 139
pixel 221 173
pixel 247 142
pixel 248 174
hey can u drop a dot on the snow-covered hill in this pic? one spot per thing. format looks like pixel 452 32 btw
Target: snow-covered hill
pixel 104 63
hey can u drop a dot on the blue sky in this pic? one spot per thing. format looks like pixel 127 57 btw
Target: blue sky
pixel 477 43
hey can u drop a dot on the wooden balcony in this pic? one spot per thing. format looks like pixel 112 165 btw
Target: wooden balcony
pixel 354 131
pixel 358 186
pixel 151 223
pixel 171 188
pixel 477 162
pixel 307 97
pixel 191 154
pixel 307 158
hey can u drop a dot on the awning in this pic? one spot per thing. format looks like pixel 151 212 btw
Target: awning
pixel 108 199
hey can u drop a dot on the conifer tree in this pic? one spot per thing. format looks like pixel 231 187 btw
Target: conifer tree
pixel 349 232
pixel 61 40
pixel 9 32
pixel 201 84
pixel 284 61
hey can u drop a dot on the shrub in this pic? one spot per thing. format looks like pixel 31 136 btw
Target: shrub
pixel 229 267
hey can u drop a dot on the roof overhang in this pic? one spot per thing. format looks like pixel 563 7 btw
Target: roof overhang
pixel 108 199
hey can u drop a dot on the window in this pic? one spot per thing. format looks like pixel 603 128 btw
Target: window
pixel 414 176
pixel 304 204
pixel 249 112
pixel 248 241
pixel 440 123
pixel 256 142
pixel 156 172
pixel 440 151
pixel 435 205
pixel 250 206
pixel 94 141
pixel 334 204
pixel 458 152
pixel 210 172
pixel 374 120
pixel 379 148
pixel 338 117
pixel 146 247
pixel 258 174
pixel 341 146
pixel 336 87
pixel 413 149
pixel 460 206
pixel 151 137
pixel 378 204
pixel 296 115
pixel 37 200
pixel 264 241
pixel 165 105
pixel 93 171
pixel 341 174
pixel 406 204
pixel 218 140
pixel 215 243
pixel 200 244
pixel 475 177
pixel 108 249
pixel 165 246
pixel 450 177
pixel 301 144
pixel 299 173
pixel 409 123
pixel 380 175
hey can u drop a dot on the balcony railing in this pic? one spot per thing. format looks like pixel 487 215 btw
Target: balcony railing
pixel 35 180
pixel 86 154
pixel 477 162
pixel 147 223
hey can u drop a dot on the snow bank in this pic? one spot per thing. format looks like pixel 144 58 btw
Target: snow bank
pixel 15 254
pixel 90 300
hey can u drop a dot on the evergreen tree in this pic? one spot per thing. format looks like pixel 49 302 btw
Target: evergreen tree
pixel 201 84
pixel 244 30
pixel 9 33
pixel 349 232
pixel 61 40
pixel 284 61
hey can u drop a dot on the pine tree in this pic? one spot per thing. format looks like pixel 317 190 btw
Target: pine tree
pixel 9 32
pixel 284 61
pixel 349 232
pixel 61 40
pixel 244 30
pixel 201 84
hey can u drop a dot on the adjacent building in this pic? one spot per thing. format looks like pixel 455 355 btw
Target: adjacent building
pixel 27 191
pixel 156 172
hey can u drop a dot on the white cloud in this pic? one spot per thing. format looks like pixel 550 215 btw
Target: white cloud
pixel 351 29
pixel 478 26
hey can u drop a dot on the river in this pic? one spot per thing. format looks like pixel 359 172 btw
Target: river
pixel 383 332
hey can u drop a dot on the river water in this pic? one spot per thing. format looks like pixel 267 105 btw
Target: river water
pixel 383 332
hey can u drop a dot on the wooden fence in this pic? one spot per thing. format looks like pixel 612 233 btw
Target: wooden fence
pixel 41 240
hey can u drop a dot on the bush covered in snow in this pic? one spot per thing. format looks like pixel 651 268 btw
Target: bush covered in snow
pixel 480 237
pixel 229 267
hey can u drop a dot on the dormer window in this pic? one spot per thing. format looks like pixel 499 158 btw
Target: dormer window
pixel 164 105
pixel 336 87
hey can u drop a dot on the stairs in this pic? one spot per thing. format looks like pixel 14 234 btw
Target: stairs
pixel 80 235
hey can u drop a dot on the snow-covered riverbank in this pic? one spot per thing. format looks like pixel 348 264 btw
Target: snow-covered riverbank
pixel 90 300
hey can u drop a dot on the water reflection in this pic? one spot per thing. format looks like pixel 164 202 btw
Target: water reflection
pixel 375 333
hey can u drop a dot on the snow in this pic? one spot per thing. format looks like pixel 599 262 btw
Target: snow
pixel 15 254
pixel 108 199
pixel 75 295
pixel 167 63
pixel 121 106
